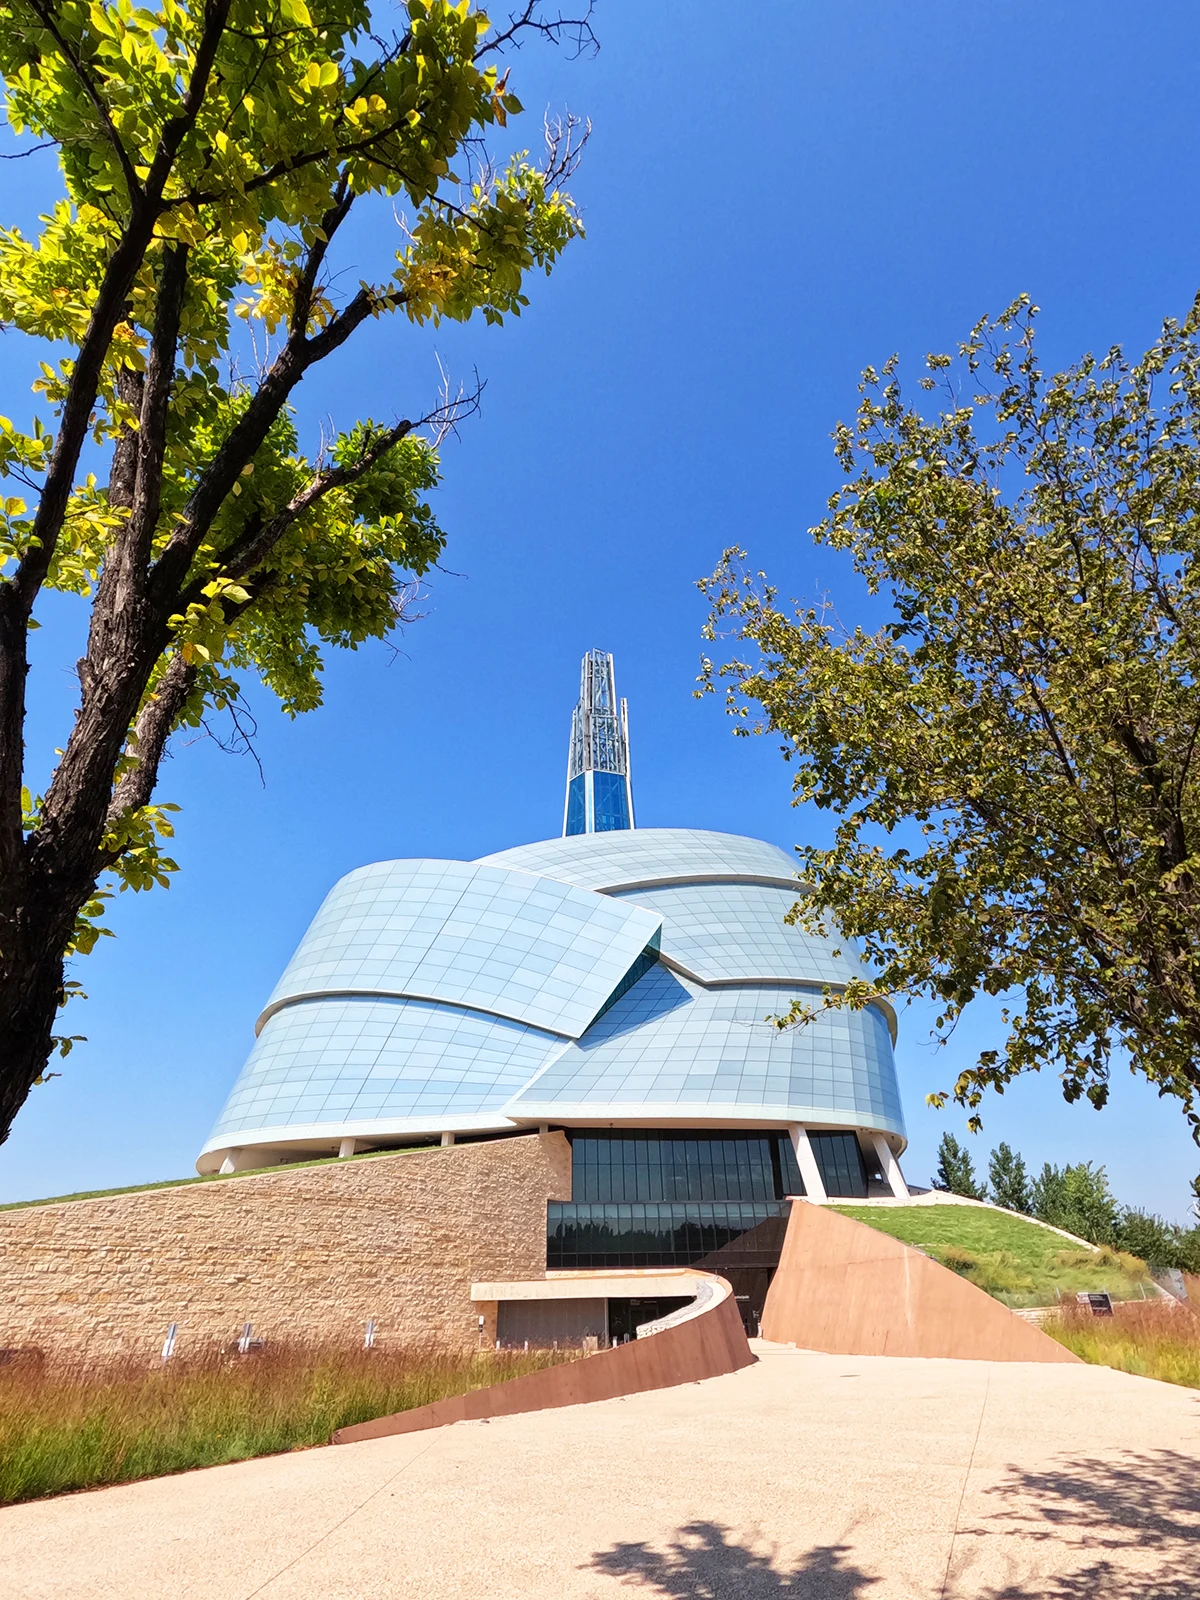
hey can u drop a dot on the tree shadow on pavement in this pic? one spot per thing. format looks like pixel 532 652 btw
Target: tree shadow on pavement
pixel 1122 1529
pixel 704 1562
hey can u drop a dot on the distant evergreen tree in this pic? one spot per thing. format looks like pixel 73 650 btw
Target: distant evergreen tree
pixel 956 1171
pixel 1009 1180
pixel 1077 1199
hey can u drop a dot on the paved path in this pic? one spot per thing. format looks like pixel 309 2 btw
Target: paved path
pixel 805 1477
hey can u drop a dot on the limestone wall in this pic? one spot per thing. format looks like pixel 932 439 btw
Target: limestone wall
pixel 300 1252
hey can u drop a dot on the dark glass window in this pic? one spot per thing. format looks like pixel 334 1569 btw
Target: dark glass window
pixel 610 800
pixel 639 969
pixel 576 806
pixel 670 1167
pixel 840 1163
pixel 726 1235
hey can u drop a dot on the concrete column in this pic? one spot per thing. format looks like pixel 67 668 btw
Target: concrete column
pixel 890 1166
pixel 347 1147
pixel 814 1188
pixel 447 1139
pixel 543 1127
pixel 242 1160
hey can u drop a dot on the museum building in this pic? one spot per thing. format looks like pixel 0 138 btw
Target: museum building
pixel 618 984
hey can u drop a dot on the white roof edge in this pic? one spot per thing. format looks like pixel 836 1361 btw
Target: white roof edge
pixel 406 994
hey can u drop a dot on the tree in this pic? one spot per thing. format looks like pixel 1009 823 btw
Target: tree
pixel 956 1170
pixel 1077 1199
pixel 1009 1179
pixel 210 152
pixel 1012 756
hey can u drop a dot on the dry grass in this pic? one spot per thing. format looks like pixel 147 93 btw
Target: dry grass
pixel 74 1425
pixel 1154 1340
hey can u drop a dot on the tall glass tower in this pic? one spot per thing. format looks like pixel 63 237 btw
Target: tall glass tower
pixel 599 791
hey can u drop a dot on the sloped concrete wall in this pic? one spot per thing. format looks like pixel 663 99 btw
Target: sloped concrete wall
pixel 301 1252
pixel 848 1289
pixel 706 1346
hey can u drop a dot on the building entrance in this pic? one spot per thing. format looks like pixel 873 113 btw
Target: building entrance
pixel 625 1317
pixel 750 1285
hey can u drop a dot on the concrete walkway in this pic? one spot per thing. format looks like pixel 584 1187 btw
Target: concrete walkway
pixel 805 1477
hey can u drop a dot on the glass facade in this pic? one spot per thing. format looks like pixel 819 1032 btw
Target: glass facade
pixel 610 801
pixel 740 1234
pixel 510 943
pixel 682 1167
pixel 577 805
pixel 673 1200
pixel 840 1163
pixel 495 995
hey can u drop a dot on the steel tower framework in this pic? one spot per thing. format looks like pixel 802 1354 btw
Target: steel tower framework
pixel 599 789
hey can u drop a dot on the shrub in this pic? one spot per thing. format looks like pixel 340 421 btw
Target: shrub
pixel 956 1259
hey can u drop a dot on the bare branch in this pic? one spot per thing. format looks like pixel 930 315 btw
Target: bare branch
pixel 554 29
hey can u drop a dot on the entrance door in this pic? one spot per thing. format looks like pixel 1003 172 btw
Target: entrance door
pixel 750 1285
pixel 625 1317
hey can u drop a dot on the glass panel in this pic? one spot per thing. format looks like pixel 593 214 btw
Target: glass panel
pixel 687 1167
pixel 840 1162
pixel 580 1235
pixel 609 798
pixel 576 806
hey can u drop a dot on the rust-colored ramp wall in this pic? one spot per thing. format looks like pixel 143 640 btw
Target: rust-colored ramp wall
pixel 847 1289
pixel 706 1346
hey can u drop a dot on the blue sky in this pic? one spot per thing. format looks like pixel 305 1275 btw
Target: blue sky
pixel 775 196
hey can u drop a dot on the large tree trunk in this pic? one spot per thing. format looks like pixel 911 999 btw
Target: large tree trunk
pixel 32 939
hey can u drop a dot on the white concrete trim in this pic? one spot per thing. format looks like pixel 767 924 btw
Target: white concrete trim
pixel 814 1186
pixel 891 1167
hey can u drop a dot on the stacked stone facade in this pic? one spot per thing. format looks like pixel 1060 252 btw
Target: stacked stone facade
pixel 302 1253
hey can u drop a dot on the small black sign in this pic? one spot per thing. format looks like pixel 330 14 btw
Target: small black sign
pixel 1101 1304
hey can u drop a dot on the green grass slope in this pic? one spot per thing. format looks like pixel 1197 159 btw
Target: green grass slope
pixel 1012 1258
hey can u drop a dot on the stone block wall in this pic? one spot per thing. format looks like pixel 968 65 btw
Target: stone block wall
pixel 303 1252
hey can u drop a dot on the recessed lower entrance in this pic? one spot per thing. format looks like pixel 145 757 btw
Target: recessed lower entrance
pixel 625 1317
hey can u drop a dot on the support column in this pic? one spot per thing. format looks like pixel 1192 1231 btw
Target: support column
pixel 814 1186
pixel 347 1147
pixel 242 1160
pixel 447 1139
pixel 890 1166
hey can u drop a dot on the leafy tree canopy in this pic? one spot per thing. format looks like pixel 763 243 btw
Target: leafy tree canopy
pixel 1012 755
pixel 209 153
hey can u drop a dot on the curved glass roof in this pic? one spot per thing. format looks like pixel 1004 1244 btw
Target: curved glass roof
pixel 670 1049
pixel 721 933
pixel 530 948
pixel 342 1065
pixel 640 855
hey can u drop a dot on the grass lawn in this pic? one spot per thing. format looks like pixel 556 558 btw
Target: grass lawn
pixel 1015 1260
pixel 77 1425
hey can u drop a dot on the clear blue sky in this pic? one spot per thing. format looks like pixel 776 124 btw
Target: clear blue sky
pixel 776 195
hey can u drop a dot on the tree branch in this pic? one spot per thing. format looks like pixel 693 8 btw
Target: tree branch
pixel 46 17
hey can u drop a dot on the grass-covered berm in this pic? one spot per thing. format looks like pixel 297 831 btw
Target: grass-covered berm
pixel 74 1424
pixel 1013 1258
